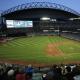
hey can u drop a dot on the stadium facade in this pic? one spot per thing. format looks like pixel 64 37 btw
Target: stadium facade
pixel 58 18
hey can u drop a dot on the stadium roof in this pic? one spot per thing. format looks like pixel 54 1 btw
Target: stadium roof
pixel 40 5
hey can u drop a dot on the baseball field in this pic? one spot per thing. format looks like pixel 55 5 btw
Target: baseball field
pixel 40 49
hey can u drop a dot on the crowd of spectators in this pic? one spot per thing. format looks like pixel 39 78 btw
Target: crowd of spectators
pixel 55 72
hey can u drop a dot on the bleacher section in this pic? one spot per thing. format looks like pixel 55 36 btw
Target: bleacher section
pixel 74 36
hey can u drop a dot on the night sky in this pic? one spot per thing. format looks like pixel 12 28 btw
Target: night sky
pixel 6 4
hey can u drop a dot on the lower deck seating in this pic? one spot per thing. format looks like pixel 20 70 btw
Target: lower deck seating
pixel 55 72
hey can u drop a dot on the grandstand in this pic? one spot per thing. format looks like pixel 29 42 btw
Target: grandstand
pixel 59 18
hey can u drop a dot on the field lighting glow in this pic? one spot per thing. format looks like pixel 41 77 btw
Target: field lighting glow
pixel 45 18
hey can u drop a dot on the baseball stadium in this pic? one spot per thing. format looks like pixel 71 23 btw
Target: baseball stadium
pixel 40 33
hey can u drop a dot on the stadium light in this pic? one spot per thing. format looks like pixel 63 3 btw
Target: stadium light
pixel 78 29
pixel 74 18
pixel 45 18
pixel 54 20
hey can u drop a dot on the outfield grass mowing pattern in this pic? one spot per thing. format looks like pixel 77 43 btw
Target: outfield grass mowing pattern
pixel 33 49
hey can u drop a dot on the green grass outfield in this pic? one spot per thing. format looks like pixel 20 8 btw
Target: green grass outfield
pixel 33 49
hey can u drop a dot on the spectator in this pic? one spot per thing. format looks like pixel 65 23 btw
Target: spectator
pixel 10 74
pixel 20 75
pixel 69 75
pixel 50 75
pixel 44 77
pixel 29 71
